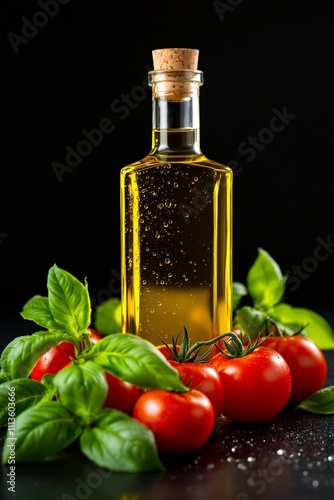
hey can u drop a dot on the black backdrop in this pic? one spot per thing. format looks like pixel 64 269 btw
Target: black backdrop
pixel 68 65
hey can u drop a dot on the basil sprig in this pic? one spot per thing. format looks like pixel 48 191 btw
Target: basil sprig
pixel 265 288
pixel 68 406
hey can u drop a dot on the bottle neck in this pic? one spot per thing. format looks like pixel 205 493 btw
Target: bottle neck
pixel 175 111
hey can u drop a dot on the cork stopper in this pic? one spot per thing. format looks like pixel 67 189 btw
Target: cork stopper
pixel 166 59
pixel 175 72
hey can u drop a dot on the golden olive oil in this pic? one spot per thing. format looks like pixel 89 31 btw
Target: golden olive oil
pixel 176 229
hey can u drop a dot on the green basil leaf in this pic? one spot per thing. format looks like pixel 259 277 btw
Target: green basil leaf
pixel 37 309
pixel 135 360
pixel 3 377
pixel 69 301
pixel 118 442
pixel 41 432
pixel 238 291
pixel 47 380
pixel 82 388
pixel 251 321
pixel 108 316
pixel 21 354
pixel 265 282
pixel 5 353
pixel 321 402
pixel 314 325
pixel 18 395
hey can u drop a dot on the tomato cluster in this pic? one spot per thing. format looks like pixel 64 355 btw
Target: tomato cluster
pixel 244 383
pixel 183 422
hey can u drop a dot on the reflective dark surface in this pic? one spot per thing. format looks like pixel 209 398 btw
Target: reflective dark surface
pixel 291 457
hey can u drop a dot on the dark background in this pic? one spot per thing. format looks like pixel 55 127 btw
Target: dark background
pixel 256 56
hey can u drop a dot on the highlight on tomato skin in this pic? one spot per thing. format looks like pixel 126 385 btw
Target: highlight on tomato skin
pixel 94 335
pixel 180 422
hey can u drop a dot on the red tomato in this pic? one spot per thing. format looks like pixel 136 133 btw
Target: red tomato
pixel 180 422
pixel 205 378
pixel 53 360
pixel 306 361
pixel 257 385
pixel 57 357
pixel 94 335
pixel 121 395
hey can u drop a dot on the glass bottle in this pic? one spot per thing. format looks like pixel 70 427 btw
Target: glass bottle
pixel 176 218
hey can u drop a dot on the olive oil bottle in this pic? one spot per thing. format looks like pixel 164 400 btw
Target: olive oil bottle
pixel 176 217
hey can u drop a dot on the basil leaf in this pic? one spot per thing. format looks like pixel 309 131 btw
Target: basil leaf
pixel 265 283
pixel 251 321
pixel 47 380
pixel 135 360
pixel 118 442
pixel 108 316
pixel 69 301
pixel 37 309
pixel 40 432
pixel 21 354
pixel 5 353
pixel 315 326
pixel 238 291
pixel 82 388
pixel 18 395
pixel 3 377
pixel 321 402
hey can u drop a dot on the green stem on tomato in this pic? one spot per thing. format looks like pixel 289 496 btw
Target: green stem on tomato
pixel 198 345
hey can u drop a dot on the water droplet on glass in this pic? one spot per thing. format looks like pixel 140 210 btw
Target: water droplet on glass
pixel 281 452
pixel 241 466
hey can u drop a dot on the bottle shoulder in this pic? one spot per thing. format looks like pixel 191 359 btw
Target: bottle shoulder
pixel 197 160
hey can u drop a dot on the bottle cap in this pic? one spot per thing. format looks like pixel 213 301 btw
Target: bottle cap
pixel 166 59
pixel 175 72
